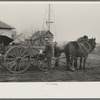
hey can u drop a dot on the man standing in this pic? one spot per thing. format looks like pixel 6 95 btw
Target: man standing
pixel 48 53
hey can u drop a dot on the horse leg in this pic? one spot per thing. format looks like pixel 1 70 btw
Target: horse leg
pixel 67 64
pixel 72 65
pixel 56 62
pixel 70 62
pixel 84 63
pixel 80 67
pixel 75 62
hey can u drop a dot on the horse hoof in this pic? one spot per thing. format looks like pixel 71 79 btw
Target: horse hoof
pixel 73 70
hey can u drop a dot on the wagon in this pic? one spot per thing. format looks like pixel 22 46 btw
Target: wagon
pixel 17 59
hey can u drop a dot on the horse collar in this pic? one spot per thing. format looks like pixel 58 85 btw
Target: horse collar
pixel 85 47
pixel 88 44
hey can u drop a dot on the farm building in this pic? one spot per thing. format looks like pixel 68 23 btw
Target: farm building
pixel 38 38
pixel 6 29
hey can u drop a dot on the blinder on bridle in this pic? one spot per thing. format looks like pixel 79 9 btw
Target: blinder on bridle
pixel 93 44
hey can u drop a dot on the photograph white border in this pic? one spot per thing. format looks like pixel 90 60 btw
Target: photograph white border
pixel 48 90
pixel 44 90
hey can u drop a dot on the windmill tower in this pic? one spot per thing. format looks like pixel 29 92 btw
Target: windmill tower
pixel 39 36
pixel 49 21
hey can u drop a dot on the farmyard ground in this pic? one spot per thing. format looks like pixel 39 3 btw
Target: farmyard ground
pixel 33 74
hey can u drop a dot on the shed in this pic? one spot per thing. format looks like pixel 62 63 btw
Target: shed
pixel 38 38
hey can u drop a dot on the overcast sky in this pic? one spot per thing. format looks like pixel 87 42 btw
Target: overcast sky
pixel 72 19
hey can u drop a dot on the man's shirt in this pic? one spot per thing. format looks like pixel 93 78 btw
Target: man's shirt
pixel 48 50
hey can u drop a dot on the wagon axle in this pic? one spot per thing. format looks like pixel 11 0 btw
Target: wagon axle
pixel 18 59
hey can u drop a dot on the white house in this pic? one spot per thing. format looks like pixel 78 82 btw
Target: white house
pixel 6 29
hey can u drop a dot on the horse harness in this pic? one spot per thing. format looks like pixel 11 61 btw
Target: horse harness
pixel 87 51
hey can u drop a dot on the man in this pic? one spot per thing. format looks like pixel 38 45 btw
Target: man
pixel 48 53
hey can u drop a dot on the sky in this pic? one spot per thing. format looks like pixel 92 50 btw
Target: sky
pixel 71 19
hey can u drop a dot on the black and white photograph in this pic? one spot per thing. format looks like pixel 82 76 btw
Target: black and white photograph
pixel 49 42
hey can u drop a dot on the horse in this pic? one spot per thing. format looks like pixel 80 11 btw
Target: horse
pixel 59 48
pixel 74 49
pixel 80 40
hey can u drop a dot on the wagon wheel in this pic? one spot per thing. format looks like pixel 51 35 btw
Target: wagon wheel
pixel 17 59
pixel 42 64
pixel 34 54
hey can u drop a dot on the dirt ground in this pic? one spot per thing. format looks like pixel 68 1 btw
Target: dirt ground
pixel 33 74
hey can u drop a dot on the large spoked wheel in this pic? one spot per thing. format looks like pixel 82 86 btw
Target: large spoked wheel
pixel 17 59
pixel 42 64
pixel 34 54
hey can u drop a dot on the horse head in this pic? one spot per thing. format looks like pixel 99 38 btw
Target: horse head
pixel 59 48
pixel 92 42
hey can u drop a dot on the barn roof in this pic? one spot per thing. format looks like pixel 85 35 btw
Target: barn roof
pixel 39 33
pixel 47 32
pixel 5 26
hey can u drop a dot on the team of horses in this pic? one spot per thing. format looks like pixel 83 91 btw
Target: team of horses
pixel 75 50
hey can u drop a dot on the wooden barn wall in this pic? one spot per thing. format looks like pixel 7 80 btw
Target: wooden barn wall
pixel 38 42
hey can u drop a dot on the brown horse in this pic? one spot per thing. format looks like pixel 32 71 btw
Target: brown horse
pixel 80 40
pixel 74 49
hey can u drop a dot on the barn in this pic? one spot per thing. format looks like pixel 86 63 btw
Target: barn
pixel 6 29
pixel 38 38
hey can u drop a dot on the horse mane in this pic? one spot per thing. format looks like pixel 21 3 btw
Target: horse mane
pixel 82 39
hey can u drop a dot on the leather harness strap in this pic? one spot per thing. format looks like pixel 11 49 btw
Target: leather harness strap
pixel 85 48
pixel 88 44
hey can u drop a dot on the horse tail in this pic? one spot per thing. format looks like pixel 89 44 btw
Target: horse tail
pixel 70 50
pixel 67 51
